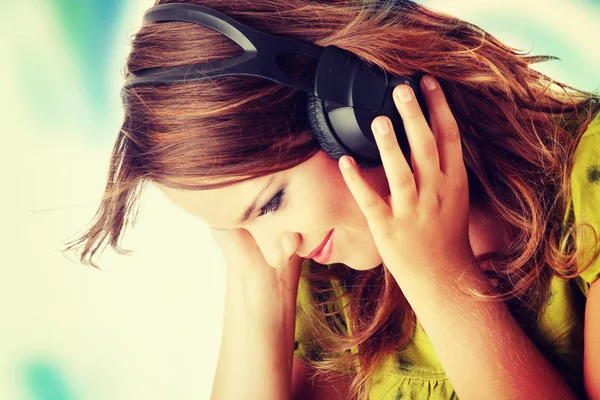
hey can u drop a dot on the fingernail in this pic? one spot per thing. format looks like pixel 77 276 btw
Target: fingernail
pixel 429 82
pixel 404 94
pixel 381 127
pixel 345 162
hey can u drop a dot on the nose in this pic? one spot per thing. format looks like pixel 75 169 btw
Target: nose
pixel 278 251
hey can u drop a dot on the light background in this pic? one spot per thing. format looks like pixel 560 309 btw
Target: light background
pixel 149 325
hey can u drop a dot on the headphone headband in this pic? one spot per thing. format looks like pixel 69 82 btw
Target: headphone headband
pixel 259 58
pixel 343 99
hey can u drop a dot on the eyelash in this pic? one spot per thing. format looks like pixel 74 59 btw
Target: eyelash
pixel 273 204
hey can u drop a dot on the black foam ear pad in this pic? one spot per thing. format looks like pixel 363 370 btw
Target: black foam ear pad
pixel 318 122
pixel 315 113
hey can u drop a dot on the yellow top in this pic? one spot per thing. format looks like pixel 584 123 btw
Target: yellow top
pixel 416 373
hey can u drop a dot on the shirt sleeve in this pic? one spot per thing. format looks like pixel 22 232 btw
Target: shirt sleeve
pixel 585 185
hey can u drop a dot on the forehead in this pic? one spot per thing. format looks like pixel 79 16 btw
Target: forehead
pixel 220 207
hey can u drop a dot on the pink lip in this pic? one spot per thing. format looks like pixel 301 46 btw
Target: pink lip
pixel 317 252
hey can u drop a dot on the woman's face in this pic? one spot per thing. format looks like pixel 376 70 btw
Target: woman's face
pixel 314 201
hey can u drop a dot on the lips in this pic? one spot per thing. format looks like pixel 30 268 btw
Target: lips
pixel 320 246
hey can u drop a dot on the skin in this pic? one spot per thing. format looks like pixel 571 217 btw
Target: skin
pixel 316 200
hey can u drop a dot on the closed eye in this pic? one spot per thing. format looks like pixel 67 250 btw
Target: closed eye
pixel 273 204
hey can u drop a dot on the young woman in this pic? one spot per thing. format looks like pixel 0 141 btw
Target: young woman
pixel 463 267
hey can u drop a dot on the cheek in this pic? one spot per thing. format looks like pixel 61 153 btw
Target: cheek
pixel 338 205
pixel 334 203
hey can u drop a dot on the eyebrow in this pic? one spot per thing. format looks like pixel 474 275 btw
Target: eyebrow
pixel 250 209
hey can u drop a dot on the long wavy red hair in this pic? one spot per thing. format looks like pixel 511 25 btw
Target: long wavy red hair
pixel 519 130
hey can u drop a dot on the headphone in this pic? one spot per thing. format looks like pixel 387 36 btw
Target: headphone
pixel 341 101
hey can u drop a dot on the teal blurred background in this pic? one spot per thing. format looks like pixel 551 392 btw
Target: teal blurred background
pixel 149 325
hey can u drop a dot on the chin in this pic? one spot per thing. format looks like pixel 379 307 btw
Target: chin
pixel 365 266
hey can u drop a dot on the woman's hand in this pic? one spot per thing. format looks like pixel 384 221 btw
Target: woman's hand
pixel 244 258
pixel 424 221
pixel 256 356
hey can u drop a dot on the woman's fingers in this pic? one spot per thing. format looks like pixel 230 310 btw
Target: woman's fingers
pixel 445 130
pixel 423 145
pixel 373 206
pixel 400 178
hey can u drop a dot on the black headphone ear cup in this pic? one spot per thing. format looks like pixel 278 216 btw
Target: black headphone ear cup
pixel 317 120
